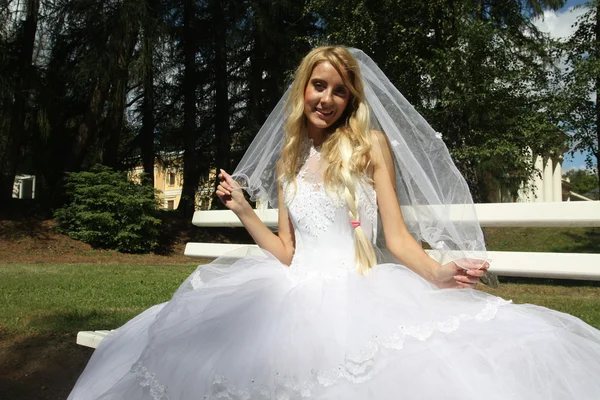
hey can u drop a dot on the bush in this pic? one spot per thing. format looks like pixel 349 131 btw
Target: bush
pixel 107 210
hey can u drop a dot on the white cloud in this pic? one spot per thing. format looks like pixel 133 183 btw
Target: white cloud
pixel 559 25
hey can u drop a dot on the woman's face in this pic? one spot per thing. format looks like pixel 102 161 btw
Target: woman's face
pixel 325 97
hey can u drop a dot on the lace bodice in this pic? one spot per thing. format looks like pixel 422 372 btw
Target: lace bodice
pixel 323 232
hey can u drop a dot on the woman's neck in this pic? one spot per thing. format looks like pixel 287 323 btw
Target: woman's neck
pixel 317 135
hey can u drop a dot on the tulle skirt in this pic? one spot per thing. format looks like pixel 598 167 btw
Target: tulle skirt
pixel 255 329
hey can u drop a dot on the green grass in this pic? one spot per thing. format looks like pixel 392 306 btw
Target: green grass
pixel 67 298
pixel 578 298
pixel 45 298
pixel 552 240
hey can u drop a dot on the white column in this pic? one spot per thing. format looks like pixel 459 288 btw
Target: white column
pixel 557 180
pixel 547 176
pixel 538 186
pixel 523 194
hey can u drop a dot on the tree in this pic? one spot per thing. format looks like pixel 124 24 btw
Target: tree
pixel 582 79
pixel 191 175
pixel 477 71
pixel 188 83
pixel 17 133
pixel 582 181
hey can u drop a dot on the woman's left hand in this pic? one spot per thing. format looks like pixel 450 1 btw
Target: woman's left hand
pixel 450 275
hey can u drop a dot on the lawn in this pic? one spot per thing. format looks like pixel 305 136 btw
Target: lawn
pixel 52 287
pixel 43 306
pixel 51 298
pixel 551 240
pixel 66 298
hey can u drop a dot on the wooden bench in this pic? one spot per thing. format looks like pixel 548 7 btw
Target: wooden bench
pixel 91 338
pixel 525 264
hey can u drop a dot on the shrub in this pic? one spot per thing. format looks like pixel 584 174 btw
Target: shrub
pixel 108 210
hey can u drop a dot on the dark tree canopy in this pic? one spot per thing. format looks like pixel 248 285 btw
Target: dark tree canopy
pixel 188 83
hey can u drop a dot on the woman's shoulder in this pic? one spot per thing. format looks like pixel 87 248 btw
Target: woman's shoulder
pixel 379 144
pixel 377 136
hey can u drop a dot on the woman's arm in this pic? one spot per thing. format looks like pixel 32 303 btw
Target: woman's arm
pixel 281 245
pixel 399 240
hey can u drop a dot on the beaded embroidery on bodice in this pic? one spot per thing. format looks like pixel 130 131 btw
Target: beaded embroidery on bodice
pixel 320 217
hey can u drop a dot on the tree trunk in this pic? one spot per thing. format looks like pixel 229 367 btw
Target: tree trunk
pixel 222 128
pixel 191 175
pixel 116 105
pixel 147 131
pixel 17 132
pixel 597 85
pixel 114 124
pixel 89 127
pixel 256 77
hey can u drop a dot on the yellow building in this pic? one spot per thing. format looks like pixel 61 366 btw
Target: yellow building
pixel 169 182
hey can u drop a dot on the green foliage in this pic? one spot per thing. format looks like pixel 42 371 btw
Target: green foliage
pixel 583 181
pixel 108 210
pixel 581 79
pixel 477 71
pixel 139 78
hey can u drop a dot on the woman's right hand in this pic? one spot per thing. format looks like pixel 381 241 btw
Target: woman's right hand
pixel 230 193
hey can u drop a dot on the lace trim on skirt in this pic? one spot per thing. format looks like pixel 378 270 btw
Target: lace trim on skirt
pixel 358 366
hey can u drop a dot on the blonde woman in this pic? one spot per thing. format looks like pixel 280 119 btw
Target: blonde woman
pixel 320 315
pixel 327 108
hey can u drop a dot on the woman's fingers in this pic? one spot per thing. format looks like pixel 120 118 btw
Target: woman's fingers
pixel 468 278
pixel 473 263
pixel 221 195
pixel 231 183
pixel 475 272
pixel 227 178
pixel 224 188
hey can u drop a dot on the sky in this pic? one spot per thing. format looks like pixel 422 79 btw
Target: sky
pixel 559 25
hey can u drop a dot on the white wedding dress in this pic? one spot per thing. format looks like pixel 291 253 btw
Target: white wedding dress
pixel 253 328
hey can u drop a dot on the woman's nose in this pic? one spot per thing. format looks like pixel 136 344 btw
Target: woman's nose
pixel 326 97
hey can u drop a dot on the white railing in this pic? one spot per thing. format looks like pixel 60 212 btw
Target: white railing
pixel 526 264
pixel 547 265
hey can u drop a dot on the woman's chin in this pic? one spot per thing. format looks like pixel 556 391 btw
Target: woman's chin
pixel 320 123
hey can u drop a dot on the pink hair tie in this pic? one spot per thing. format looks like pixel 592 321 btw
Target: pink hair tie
pixel 355 224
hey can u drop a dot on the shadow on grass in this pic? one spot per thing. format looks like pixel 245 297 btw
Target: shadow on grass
pixel 544 239
pixel 45 366
pixel 71 321
pixel 40 366
pixel 586 242
pixel 548 281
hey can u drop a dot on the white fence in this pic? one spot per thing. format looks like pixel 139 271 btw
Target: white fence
pixel 526 264
pixel 548 265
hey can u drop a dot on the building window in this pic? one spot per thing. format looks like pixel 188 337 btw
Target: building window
pixel 170 204
pixel 171 178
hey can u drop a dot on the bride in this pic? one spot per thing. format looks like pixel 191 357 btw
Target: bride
pixel 320 315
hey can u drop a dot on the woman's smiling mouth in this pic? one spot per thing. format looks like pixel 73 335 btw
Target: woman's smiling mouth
pixel 324 113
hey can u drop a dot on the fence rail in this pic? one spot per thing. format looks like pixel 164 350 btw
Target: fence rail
pixel 565 214
pixel 525 264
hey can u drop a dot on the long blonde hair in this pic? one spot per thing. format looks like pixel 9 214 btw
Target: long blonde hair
pixel 347 149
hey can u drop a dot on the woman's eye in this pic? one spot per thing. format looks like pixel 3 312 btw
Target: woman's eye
pixel 319 85
pixel 341 92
